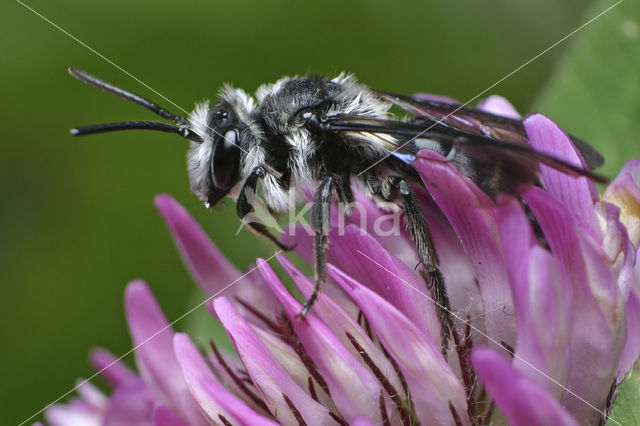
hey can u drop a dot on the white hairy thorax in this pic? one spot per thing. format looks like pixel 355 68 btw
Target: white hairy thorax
pixel 353 98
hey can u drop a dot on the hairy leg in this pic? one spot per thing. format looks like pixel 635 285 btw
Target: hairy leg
pixel 320 221
pixel 392 188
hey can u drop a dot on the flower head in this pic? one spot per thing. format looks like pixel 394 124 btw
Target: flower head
pixel 544 288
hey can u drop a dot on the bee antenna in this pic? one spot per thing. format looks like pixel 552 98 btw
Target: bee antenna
pixel 183 131
pixel 125 94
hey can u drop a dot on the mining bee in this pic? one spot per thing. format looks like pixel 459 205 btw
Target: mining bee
pixel 330 134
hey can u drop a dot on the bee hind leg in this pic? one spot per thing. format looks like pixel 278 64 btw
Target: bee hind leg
pixel 392 188
pixel 244 206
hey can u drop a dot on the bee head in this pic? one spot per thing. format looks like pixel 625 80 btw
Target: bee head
pixel 217 135
pixel 216 165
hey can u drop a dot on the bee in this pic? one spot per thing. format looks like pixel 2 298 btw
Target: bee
pixel 330 134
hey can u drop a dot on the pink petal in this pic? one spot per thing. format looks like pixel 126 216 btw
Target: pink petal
pixel 624 192
pixel 543 301
pixel 131 404
pixel 455 265
pixel 164 416
pixel 432 383
pixel 353 388
pixel 153 339
pixel 341 323
pixel 213 398
pixel 624 257
pixel 632 168
pixel 578 194
pixel 475 219
pixel 210 269
pixel 244 415
pixel 90 394
pixel 617 246
pixel 254 291
pixel 604 287
pixel 72 414
pixel 235 365
pixel 269 377
pixel 439 174
pixel 544 314
pixel 631 351
pixel 598 335
pixel 522 401
pixel 361 422
pixel 387 227
pixel 289 360
pixel 498 105
pixel 363 257
pixel 517 236
pixel 302 239
pixel 110 368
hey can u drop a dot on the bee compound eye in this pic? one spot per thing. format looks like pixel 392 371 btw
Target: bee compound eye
pixel 225 160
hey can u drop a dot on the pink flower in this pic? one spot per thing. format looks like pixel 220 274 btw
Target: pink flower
pixel 544 318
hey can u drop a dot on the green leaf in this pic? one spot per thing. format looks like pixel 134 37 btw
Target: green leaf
pixel 595 91
pixel 626 410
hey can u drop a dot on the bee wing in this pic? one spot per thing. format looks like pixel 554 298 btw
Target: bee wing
pixel 494 165
pixel 478 122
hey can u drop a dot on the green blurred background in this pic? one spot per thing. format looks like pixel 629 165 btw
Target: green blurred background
pixel 77 220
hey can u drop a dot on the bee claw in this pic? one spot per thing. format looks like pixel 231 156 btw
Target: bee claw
pixel 302 315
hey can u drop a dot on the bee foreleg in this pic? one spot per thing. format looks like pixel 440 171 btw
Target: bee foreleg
pixel 389 190
pixel 244 206
pixel 320 221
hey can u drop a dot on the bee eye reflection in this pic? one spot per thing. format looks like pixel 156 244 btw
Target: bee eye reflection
pixel 225 160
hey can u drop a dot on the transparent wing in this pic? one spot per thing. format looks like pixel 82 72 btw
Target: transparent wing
pixel 479 122
pixel 494 165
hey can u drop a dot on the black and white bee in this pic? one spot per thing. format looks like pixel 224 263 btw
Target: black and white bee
pixel 331 134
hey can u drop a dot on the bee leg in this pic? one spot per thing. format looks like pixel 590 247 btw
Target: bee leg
pixel 389 190
pixel 244 206
pixel 320 215
pixel 537 229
